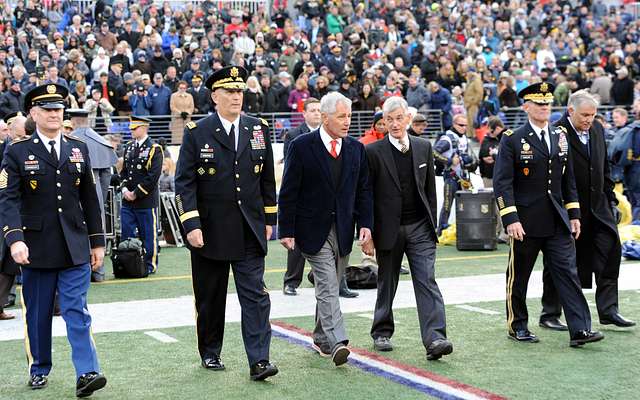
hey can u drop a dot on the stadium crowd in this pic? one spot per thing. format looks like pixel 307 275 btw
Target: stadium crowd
pixel 119 57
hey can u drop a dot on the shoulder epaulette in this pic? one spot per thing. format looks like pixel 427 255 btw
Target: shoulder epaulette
pixel 23 139
pixel 69 136
pixel 191 125
pixel 264 121
pixel 508 132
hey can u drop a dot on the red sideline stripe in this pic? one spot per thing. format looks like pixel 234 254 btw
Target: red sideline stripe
pixel 405 367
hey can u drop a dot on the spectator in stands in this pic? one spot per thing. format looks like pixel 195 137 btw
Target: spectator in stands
pixel 418 125
pixel 417 95
pixel 253 97
pixel 298 96
pixel 377 131
pixel 166 181
pixel 182 107
pixel 106 39
pixel 129 35
pixel 620 118
pixel 347 90
pixel 80 93
pixel 142 65
pixel 100 110
pixel 160 96
pixel 473 97
pixel 159 63
pixel 322 86
pixel 601 86
pixel 100 63
pixel 12 100
pixel 367 99
pixel 201 96
pixel 192 71
pixel 277 98
pixel 441 100
pixel 140 102
pixel 622 88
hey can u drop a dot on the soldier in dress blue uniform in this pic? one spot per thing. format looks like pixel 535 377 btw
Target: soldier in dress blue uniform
pixel 536 194
pixel 103 158
pixel 51 224
pixel 140 196
pixel 226 198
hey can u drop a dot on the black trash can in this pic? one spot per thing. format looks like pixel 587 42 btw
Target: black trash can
pixel 476 220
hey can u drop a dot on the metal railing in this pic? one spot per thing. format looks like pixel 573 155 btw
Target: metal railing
pixel 170 127
pixel 253 5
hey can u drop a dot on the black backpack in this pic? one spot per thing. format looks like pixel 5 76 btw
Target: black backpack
pixel 128 260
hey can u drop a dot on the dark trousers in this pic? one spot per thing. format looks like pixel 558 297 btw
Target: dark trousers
pixel 595 248
pixel 295 268
pixel 39 287
pixel 6 282
pixel 559 250
pixel 210 280
pixel 450 188
pixel 418 242
pixel 145 221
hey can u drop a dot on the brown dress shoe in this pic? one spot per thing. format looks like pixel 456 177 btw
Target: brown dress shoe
pixel 4 316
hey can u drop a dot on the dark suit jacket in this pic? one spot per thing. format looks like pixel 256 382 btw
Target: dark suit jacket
pixel 292 134
pixel 595 192
pixel 387 194
pixel 309 204
pixel 533 187
pixel 222 191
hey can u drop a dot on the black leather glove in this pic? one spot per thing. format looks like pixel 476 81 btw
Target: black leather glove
pixel 184 114
pixel 617 215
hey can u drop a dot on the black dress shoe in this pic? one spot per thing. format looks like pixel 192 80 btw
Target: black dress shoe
pixel 524 336
pixel 617 320
pixel 89 383
pixel 10 303
pixel 38 382
pixel 583 337
pixel 554 324
pixel 340 354
pixel 404 270
pixel 213 363
pixel 382 343
pixel 439 348
pixel 262 370
pixel 322 348
pixel 289 291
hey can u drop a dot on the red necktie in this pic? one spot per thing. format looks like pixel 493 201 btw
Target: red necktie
pixel 333 151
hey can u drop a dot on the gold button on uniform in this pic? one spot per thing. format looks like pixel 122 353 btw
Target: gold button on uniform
pixel 58 171
pixel 237 176
pixel 59 209
pixel 59 197
pixel 239 201
pixel 58 184
pixel 238 189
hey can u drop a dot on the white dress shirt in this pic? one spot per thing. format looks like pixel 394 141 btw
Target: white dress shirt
pixel 45 140
pixel 396 143
pixel 582 135
pixel 140 141
pixel 537 131
pixel 326 139
pixel 227 128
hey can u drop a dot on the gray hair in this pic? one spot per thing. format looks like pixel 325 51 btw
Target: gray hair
pixel 329 102
pixel 393 103
pixel 581 97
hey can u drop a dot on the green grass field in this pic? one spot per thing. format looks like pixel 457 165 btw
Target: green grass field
pixel 173 278
pixel 141 367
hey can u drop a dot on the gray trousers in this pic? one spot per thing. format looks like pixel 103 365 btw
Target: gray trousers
pixel 417 241
pixel 103 179
pixel 327 266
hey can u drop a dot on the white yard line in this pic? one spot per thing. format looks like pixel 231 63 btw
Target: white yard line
pixel 156 314
pixel 161 337
pixel 477 309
